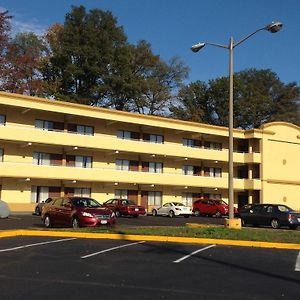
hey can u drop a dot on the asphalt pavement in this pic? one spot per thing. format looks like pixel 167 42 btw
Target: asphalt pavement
pixel 30 221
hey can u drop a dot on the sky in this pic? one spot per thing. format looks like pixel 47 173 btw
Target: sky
pixel 173 26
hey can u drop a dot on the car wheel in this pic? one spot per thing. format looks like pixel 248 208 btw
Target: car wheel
pixel 218 214
pixel 47 221
pixel 197 213
pixel 154 212
pixel 118 214
pixel 75 223
pixel 37 211
pixel 171 214
pixel 275 223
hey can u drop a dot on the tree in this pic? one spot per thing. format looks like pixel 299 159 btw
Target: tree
pixel 4 39
pixel 192 103
pixel 81 54
pixel 23 58
pixel 259 97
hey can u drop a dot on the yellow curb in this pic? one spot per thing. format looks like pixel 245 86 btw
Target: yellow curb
pixel 149 238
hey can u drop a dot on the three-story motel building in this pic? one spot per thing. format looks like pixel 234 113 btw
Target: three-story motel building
pixel 52 148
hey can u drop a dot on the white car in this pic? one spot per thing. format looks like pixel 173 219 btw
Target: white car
pixel 172 209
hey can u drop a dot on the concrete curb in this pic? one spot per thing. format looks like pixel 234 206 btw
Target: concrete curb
pixel 149 238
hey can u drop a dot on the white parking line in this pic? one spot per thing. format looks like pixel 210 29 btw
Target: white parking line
pixel 297 265
pixel 111 249
pixel 193 253
pixel 36 244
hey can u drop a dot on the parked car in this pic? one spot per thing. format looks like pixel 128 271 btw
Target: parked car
pixel 217 208
pixel 125 207
pixel 76 212
pixel 39 206
pixel 274 215
pixel 172 209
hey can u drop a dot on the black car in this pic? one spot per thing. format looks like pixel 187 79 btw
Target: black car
pixel 274 215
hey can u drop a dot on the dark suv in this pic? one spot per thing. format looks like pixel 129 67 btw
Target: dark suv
pixel 217 208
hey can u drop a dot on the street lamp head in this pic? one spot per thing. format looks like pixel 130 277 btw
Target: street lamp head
pixel 274 27
pixel 197 47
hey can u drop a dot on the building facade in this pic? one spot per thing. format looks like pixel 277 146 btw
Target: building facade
pixel 51 148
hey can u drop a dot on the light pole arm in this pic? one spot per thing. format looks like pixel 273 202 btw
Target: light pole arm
pixel 247 37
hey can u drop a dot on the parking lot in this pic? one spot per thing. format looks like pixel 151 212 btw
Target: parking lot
pixel 26 221
pixel 47 268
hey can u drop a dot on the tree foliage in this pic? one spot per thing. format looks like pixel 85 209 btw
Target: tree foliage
pixel 259 97
pixel 88 60
pixel 81 55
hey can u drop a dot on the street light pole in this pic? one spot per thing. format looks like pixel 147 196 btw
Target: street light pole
pixel 273 28
pixel 230 152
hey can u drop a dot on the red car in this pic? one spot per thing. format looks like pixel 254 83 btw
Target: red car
pixel 125 207
pixel 76 212
pixel 217 208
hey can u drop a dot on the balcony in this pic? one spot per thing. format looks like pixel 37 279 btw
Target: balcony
pixel 104 142
pixel 22 170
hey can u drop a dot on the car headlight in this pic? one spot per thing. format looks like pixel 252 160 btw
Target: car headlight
pixel 86 214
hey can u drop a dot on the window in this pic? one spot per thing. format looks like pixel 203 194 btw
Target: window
pixel 154 198
pixel 127 135
pixel 40 158
pixel 2 119
pixel 39 193
pixel 153 138
pixel 49 125
pixel 187 199
pixel 212 196
pixel 83 161
pixel 187 170
pixel 121 194
pixel 42 124
pixel 47 159
pixel 86 130
pixel 1 155
pixel 191 143
pixel 122 164
pixel 82 192
pixel 155 167
pixel 213 145
pixel 212 172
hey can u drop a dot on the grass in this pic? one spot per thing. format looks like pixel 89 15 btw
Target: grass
pixel 213 232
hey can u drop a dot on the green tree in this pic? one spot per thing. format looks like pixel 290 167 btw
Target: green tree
pixel 192 103
pixel 81 55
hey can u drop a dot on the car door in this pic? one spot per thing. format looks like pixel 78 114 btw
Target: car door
pixel 110 204
pixel 164 209
pixel 65 212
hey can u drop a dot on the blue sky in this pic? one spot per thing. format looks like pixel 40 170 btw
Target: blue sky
pixel 173 26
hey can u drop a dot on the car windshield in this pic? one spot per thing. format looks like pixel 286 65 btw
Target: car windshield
pixel 128 202
pixel 85 202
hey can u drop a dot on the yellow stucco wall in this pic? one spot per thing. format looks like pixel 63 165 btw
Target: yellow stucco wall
pixel 281 164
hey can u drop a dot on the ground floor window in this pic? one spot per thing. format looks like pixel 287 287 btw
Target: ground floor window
pixel 187 199
pixel 155 198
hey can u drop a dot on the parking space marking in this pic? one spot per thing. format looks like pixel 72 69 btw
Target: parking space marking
pixel 297 265
pixel 193 253
pixel 37 244
pixel 111 249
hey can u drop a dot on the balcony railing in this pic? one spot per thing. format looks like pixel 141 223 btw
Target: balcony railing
pixel 26 134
